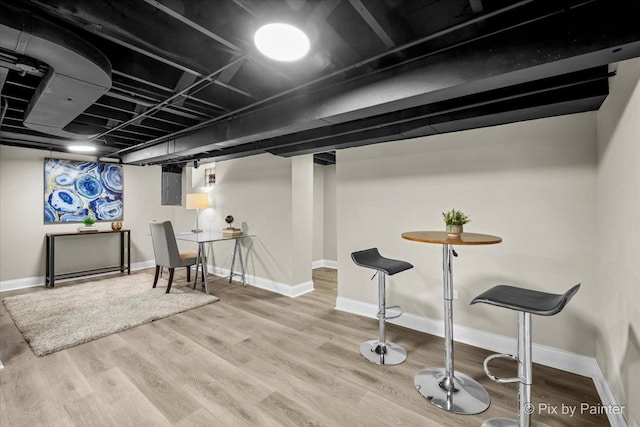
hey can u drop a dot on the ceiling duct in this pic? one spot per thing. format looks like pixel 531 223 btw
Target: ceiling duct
pixel 78 73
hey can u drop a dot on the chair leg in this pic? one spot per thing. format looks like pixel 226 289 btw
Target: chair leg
pixel 525 371
pixel 171 271
pixel 380 351
pixel 155 279
pixel 189 274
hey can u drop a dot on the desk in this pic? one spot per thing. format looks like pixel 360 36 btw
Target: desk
pixel 210 237
pixel 50 267
pixel 446 388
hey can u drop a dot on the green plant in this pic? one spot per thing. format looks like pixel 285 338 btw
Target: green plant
pixel 455 217
pixel 88 221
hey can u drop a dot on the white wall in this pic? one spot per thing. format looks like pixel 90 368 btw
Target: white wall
pixel 532 183
pixel 618 192
pixel 302 215
pixel 330 246
pixel 258 192
pixel 318 212
pixel 22 228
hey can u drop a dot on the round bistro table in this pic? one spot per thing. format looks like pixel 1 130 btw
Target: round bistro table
pixel 446 388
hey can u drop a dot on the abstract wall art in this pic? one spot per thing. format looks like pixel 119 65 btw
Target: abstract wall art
pixel 74 190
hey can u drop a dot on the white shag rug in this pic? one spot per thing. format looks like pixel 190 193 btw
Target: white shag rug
pixel 55 319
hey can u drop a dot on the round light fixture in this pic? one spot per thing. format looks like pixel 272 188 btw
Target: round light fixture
pixel 282 42
pixel 82 148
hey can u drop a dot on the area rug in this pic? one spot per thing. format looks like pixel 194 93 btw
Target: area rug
pixel 55 319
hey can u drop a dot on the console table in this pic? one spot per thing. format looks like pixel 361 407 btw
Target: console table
pixel 51 276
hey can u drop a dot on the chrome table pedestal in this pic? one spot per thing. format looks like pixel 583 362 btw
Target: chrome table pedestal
pixel 444 387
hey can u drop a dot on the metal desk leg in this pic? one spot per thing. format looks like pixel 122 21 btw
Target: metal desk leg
pixel 446 388
pixel 203 261
pixel 237 251
pixel 233 259
pixel 244 282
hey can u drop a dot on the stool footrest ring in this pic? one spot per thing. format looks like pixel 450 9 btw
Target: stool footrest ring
pixel 391 316
pixel 498 379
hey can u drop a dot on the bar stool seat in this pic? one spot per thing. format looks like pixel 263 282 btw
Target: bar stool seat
pixel 371 258
pixel 526 302
pixel 380 351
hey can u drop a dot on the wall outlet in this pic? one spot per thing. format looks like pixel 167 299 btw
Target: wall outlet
pixel 455 294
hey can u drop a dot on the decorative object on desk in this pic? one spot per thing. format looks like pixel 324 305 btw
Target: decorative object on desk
pixel 230 231
pixel 197 201
pixel 115 226
pixel 88 225
pixel 75 314
pixel 455 220
pixel 76 189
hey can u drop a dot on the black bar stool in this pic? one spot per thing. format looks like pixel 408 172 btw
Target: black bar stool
pixel 526 302
pixel 380 351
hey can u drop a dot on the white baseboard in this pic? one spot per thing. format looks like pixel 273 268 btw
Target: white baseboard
pixel 31 282
pixel 291 291
pixel 607 397
pixel 325 263
pixel 542 354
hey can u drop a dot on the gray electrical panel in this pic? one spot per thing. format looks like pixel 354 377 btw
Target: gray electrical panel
pixel 171 186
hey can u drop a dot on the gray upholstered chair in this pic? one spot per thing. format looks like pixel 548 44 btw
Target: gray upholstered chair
pixel 166 252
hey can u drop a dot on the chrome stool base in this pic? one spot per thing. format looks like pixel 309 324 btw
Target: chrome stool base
pixel 500 422
pixel 394 354
pixel 466 397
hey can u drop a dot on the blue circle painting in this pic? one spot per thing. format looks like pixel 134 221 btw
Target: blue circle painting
pixel 74 190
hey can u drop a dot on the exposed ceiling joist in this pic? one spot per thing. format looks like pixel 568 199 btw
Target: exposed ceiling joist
pixel 158 5
pixel 372 23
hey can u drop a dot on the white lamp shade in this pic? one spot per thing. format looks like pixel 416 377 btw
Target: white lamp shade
pixel 197 201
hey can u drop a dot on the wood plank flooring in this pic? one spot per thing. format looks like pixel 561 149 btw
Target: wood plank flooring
pixel 254 359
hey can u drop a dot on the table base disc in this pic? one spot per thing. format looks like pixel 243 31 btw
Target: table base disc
pixel 500 422
pixel 468 396
pixel 394 355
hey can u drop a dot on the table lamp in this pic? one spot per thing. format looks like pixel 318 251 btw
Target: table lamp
pixel 197 201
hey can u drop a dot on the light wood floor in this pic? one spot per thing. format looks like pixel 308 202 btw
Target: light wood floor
pixel 253 359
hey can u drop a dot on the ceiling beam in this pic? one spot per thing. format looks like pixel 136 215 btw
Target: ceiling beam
pixel 146 49
pixel 516 56
pixel 476 6
pixel 372 23
pixel 167 101
pixel 3 77
pixel 158 5
pixel 340 72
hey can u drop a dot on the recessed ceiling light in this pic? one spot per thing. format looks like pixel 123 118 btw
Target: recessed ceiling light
pixel 82 148
pixel 282 42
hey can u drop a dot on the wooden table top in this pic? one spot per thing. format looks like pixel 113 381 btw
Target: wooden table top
pixel 441 237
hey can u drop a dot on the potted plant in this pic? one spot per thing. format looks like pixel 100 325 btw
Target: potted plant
pixel 88 224
pixel 455 220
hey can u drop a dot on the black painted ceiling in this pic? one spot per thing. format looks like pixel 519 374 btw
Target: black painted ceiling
pixel 186 82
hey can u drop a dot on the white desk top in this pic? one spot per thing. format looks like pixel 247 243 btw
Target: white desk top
pixel 206 236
